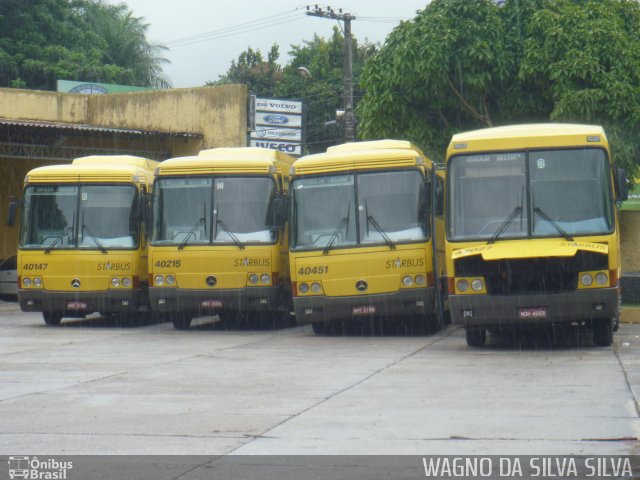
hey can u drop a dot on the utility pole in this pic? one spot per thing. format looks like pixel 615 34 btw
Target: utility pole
pixel 347 70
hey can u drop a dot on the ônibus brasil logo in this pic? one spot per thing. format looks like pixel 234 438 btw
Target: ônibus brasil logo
pixel 33 468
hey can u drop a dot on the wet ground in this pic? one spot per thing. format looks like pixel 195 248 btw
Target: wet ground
pixel 99 386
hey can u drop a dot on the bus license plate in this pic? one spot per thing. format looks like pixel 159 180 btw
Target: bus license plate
pixel 211 303
pixel 367 310
pixel 535 312
pixel 76 305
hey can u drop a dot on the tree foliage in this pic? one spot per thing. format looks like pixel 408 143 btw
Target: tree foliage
pixel 261 76
pixel 321 94
pixel 87 40
pixel 466 64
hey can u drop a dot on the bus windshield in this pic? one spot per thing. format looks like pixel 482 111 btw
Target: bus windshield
pixel 212 210
pixel 80 216
pixel 542 193
pixel 389 209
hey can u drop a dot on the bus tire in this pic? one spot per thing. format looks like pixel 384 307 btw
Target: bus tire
pixel 476 337
pixel 52 318
pixel 319 328
pixel 181 322
pixel 603 332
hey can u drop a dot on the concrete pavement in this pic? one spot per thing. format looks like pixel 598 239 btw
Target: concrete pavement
pixel 92 387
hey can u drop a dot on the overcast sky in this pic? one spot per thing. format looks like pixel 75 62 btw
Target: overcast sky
pixel 206 35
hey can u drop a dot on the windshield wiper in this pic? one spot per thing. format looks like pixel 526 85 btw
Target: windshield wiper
pixel 344 222
pixel 561 230
pixel 386 238
pixel 372 221
pixel 507 221
pixel 66 231
pixel 190 234
pixel 235 239
pixel 94 238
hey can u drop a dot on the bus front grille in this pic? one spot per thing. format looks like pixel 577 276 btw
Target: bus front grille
pixel 524 276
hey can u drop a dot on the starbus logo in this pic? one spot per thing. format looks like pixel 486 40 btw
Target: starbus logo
pixel 33 468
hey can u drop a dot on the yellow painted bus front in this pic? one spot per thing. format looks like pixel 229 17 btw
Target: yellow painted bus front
pixel 360 236
pixel 215 247
pixel 82 242
pixel 532 233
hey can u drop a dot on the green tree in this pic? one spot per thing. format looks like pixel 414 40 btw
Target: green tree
pixel 321 94
pixel 127 46
pixel 45 40
pixel 260 75
pixel 584 56
pixel 466 64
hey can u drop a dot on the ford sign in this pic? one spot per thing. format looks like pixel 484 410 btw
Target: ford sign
pixel 276 119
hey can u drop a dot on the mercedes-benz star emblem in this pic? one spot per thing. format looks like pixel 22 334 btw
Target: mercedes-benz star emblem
pixel 211 281
pixel 75 283
pixel 361 285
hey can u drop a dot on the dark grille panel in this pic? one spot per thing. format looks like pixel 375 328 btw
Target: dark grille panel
pixel 531 275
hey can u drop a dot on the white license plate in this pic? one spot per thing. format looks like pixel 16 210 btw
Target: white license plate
pixel 211 303
pixel 76 305
pixel 535 312
pixel 366 310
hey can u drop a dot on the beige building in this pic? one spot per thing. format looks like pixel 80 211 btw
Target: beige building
pixel 43 128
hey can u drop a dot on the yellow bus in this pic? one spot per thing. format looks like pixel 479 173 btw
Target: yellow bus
pixel 361 235
pixel 219 245
pixel 82 246
pixel 532 232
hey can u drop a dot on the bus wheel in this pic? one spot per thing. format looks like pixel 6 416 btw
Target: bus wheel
pixel 319 328
pixel 181 322
pixel 603 332
pixel 52 318
pixel 476 336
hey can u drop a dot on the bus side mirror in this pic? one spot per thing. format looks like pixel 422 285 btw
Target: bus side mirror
pixel 145 210
pixel 439 200
pixel 622 190
pixel 278 211
pixel 12 212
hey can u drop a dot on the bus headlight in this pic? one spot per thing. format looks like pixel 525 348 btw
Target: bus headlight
pixel 265 278
pixel 126 282
pixel 407 281
pixel 158 280
pixel 315 287
pixel 253 278
pixel 26 282
pixel 586 279
pixel 170 280
pixel 420 280
pixel 476 285
pixel 115 282
pixel 37 282
pixel 601 278
pixel 462 285
pixel 303 288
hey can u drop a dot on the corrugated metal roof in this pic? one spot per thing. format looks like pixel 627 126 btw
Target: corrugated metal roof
pixel 91 128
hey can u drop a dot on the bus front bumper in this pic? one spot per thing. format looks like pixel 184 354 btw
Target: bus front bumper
pixel 207 302
pixel 497 310
pixel 405 303
pixel 80 303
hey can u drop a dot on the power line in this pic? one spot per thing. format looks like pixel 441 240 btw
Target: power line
pixel 246 27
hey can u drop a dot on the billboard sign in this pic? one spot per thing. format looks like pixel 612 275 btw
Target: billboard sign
pixel 290 148
pixel 276 124
pixel 289 134
pixel 69 86
pixel 278 119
